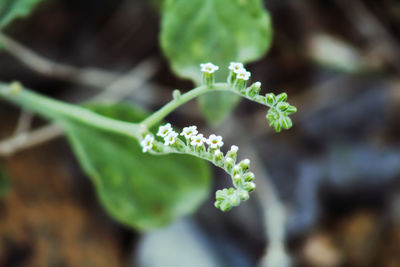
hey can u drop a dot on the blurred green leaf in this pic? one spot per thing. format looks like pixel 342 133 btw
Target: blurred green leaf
pixel 4 183
pixel 218 31
pixel 13 9
pixel 137 189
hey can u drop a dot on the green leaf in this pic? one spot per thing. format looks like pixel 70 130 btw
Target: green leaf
pixel 140 190
pixel 13 9
pixel 218 31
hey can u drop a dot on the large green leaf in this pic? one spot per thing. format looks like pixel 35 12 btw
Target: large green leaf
pixel 218 31
pixel 137 189
pixel 12 9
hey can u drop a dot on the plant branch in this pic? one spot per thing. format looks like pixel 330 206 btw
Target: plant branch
pixel 86 76
pixel 175 103
pixel 117 90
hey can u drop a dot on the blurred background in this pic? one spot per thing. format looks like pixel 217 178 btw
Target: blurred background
pixel 328 189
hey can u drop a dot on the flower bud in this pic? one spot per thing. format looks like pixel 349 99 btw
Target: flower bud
pixel 282 106
pixel 208 79
pixel 240 84
pixel 237 170
pixel 254 89
pixel 235 200
pixel 286 122
pixel 237 180
pixel 176 94
pixel 281 97
pixel 248 177
pixel 291 109
pixel 232 153
pixel 243 195
pixel 228 164
pixel 218 157
pixel 225 206
pixel 270 99
pixel 244 164
pixel 249 187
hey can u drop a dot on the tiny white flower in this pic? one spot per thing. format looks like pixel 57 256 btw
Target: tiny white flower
pixel 147 142
pixel 215 141
pixel 234 149
pixel 164 130
pixel 197 140
pixel 243 74
pixel 229 160
pixel 236 66
pixel 190 131
pixel 170 138
pixel 208 67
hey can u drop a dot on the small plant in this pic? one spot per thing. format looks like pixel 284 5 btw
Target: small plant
pixel 209 149
pixel 188 141
pixel 134 181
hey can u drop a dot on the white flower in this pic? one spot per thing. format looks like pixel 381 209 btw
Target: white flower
pixel 208 67
pixel 236 66
pixel 170 138
pixel 215 141
pixel 243 74
pixel 147 142
pixel 197 140
pixel 188 132
pixel 234 149
pixel 164 130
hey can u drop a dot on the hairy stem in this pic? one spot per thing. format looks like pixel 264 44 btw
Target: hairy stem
pixel 59 111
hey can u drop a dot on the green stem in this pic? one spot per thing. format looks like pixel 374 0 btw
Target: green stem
pixel 57 110
pixel 171 106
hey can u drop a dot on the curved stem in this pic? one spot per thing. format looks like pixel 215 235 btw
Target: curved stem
pixel 175 103
pixel 57 110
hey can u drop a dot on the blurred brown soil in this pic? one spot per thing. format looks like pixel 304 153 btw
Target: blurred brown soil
pixel 43 223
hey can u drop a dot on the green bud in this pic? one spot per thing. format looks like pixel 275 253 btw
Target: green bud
pixel 176 94
pixel 281 97
pixel 232 153
pixel 270 99
pixel 291 109
pixel 254 89
pixel 221 194
pixel 237 170
pixel 228 164
pixel 249 187
pixel 225 206
pixel 248 177
pixel 240 84
pixel 235 200
pixel 282 106
pixel 286 122
pixel 237 180
pixel 231 77
pixel 208 79
pixel 277 126
pixel 218 157
pixel 243 195
pixel 244 164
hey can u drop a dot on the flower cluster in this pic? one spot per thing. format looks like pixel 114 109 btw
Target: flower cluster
pixel 194 143
pixel 278 114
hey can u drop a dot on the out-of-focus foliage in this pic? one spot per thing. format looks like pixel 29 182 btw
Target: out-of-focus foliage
pixel 4 183
pixel 140 190
pixel 218 31
pixel 13 9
